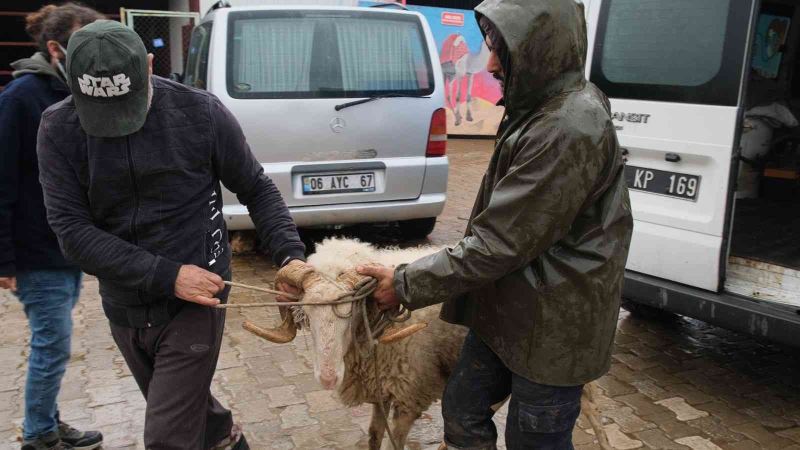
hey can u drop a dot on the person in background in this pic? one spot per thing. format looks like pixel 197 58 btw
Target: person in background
pixel 31 264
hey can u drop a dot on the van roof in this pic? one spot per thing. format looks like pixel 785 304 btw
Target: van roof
pixel 387 9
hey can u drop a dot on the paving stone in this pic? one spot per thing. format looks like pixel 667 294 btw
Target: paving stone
pixel 292 368
pixel 682 410
pixel 761 435
pixel 620 440
pixel 628 421
pixel 296 416
pixel 675 429
pixel 698 443
pixel 634 362
pixel 253 412
pixel 586 447
pixel 689 393
pixel 613 387
pixel 662 377
pixel 743 445
pixel 642 404
pixel 321 401
pixel 580 437
pixel 650 389
pixel 107 415
pixel 283 396
pixel 715 430
pixel 793 434
pixel 656 439
pixel 725 413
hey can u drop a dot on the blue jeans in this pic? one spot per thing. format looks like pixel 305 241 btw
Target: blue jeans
pixel 48 297
pixel 539 417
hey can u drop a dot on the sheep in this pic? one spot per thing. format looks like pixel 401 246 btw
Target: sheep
pixel 411 373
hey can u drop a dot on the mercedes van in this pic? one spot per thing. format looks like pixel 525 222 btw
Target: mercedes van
pixel 343 107
pixel 680 75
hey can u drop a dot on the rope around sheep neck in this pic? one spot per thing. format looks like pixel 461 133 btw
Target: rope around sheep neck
pixel 368 347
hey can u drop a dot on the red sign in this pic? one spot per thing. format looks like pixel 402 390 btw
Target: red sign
pixel 452 18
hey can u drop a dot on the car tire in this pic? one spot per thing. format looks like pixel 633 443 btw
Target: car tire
pixel 417 228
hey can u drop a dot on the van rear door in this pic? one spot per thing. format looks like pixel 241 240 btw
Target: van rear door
pixel 674 72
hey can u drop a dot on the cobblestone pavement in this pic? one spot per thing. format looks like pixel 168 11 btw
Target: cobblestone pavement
pixel 674 384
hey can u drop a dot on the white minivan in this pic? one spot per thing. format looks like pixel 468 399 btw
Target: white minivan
pixel 342 106
pixel 680 75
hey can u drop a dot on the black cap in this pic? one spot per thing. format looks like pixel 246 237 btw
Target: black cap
pixel 107 73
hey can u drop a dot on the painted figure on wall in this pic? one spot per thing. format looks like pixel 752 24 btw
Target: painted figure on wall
pixel 471 93
pixel 458 65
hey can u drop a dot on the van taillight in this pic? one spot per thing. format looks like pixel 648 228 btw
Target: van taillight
pixel 437 138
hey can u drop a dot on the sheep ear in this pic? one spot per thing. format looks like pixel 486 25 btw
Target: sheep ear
pixel 283 334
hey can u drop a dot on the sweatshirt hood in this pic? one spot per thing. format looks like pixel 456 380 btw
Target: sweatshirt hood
pixel 36 64
pixel 547 43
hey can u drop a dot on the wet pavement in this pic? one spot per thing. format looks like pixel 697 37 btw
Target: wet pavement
pixel 675 383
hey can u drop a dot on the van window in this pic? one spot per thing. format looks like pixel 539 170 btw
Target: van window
pixel 678 50
pixel 197 62
pixel 321 54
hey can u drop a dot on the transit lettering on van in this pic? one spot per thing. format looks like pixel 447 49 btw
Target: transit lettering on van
pixel 630 117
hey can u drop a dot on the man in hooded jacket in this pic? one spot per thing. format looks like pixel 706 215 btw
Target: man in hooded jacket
pixel 538 276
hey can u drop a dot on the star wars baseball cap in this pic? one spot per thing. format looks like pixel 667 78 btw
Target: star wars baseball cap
pixel 108 76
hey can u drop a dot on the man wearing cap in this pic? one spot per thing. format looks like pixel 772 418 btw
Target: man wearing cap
pixel 131 166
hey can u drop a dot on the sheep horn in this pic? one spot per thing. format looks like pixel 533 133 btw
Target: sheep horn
pixel 283 334
pixel 351 279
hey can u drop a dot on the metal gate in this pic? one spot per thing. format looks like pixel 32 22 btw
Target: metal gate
pixel 165 34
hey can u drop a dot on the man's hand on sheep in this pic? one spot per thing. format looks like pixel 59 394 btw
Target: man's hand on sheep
pixel 198 285
pixel 384 295
pixel 290 278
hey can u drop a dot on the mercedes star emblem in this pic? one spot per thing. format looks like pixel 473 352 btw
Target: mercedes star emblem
pixel 338 124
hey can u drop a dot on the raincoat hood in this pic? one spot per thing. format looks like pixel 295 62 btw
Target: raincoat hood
pixel 36 64
pixel 547 43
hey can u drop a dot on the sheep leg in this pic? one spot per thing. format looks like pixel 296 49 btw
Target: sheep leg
pixel 402 422
pixel 377 427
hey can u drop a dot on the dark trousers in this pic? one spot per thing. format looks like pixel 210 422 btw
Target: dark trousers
pixel 173 364
pixel 539 417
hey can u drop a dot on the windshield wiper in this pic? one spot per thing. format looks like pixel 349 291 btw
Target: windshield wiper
pixel 377 97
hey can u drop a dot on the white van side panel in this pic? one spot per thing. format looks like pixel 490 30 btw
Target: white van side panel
pixel 658 250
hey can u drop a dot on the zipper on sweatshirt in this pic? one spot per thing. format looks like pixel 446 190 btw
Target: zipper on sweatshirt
pixel 135 189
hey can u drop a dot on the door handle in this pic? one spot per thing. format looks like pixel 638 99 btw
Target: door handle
pixel 672 157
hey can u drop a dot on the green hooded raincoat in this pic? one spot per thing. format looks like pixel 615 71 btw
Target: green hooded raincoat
pixel 539 274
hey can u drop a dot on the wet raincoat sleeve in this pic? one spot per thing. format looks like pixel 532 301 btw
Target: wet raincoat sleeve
pixel 532 207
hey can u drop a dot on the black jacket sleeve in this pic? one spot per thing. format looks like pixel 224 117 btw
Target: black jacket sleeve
pixel 11 119
pixel 97 252
pixel 242 174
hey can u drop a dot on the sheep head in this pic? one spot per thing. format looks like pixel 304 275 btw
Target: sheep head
pixel 329 324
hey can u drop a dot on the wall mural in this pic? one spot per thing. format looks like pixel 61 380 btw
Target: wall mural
pixel 471 93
